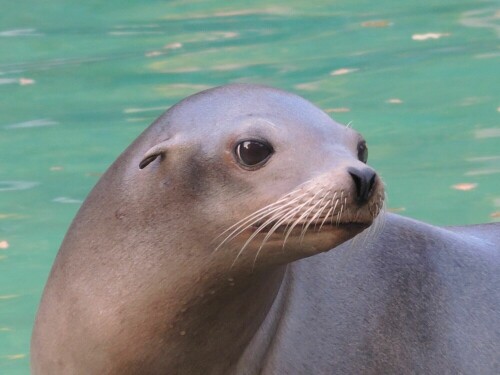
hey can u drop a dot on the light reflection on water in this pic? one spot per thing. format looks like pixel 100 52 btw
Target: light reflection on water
pixel 79 82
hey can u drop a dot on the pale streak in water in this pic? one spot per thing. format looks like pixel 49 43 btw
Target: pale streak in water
pixel 17 185
pixel 31 124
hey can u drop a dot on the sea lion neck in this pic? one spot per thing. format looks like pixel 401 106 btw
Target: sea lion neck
pixel 199 334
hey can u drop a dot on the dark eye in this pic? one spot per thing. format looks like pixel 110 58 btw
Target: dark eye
pixel 252 153
pixel 362 152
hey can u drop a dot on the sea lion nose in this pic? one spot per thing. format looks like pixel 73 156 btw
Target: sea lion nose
pixel 364 180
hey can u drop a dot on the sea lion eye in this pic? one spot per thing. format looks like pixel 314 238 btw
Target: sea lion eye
pixel 252 153
pixel 362 152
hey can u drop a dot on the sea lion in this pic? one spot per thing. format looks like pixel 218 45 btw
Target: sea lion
pixel 204 250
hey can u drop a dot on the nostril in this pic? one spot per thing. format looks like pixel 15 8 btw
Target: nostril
pixel 364 181
pixel 371 183
pixel 357 182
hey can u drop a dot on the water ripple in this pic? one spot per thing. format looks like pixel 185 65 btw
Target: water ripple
pixel 6 81
pixel 31 124
pixel 19 32
pixel 17 185
pixel 139 110
pixel 487 133
pixel 66 200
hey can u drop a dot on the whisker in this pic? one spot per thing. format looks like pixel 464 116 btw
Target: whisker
pixel 237 231
pixel 311 209
pixel 299 219
pixel 313 219
pixel 284 218
pixel 341 208
pixel 248 221
pixel 322 209
pixel 257 231
pixel 379 218
pixel 334 198
pixel 256 213
pixel 327 214
pixel 291 215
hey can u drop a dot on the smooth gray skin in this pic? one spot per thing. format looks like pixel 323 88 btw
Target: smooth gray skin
pixel 137 287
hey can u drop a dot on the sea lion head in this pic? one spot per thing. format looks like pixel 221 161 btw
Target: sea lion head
pixel 258 173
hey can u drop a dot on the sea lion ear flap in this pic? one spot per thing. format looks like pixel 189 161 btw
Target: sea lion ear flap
pixel 153 153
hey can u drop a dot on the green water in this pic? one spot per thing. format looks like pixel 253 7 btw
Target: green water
pixel 80 80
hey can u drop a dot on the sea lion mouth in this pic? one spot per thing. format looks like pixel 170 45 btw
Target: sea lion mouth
pixel 305 227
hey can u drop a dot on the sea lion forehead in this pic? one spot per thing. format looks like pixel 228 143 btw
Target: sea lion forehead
pixel 227 105
pixel 243 97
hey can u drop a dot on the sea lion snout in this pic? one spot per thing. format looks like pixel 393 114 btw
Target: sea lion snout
pixel 365 180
